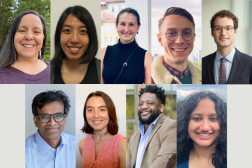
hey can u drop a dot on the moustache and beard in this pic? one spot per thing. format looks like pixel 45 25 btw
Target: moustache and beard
pixel 151 118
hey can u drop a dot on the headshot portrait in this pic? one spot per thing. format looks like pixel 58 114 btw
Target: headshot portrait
pixel 176 48
pixel 126 62
pixel 153 143
pixel 50 126
pixel 101 126
pixel 76 44
pixel 21 56
pixel 224 61
pixel 202 126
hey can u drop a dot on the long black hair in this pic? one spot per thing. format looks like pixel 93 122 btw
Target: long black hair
pixel 185 144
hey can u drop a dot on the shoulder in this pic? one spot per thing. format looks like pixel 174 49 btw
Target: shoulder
pixel 69 138
pixel 168 126
pixel 97 61
pixel 209 57
pixel 243 56
pixel 183 164
pixel 194 69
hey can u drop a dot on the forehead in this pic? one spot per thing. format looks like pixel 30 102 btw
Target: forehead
pixel 205 107
pixel 72 20
pixel 148 96
pixel 31 20
pixel 127 17
pixel 52 108
pixel 176 22
pixel 223 21
pixel 96 101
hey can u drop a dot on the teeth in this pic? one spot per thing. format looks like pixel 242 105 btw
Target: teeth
pixel 204 134
pixel 179 49
pixel 28 46
pixel 96 122
pixel 74 49
pixel 145 113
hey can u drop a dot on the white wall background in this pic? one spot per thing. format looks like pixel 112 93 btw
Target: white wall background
pixel 32 90
pixel 241 10
pixel 58 6
pixel 117 94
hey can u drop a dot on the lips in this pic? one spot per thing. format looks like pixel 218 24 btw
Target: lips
pixel 52 129
pixel 97 122
pixel 204 136
pixel 74 49
pixel 28 45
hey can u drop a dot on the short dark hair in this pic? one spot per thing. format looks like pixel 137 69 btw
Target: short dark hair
pixel 8 54
pixel 128 10
pixel 185 143
pixel 222 14
pixel 112 126
pixel 176 11
pixel 85 17
pixel 40 100
pixel 158 91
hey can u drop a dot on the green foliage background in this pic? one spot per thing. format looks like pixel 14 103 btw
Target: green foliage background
pixel 9 9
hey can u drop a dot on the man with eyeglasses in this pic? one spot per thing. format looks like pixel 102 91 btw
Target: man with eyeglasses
pixel 227 65
pixel 49 147
pixel 176 36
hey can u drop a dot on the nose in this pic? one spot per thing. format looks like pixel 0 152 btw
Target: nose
pixel 223 31
pixel 179 39
pixel 75 38
pixel 52 121
pixel 205 125
pixel 96 114
pixel 29 35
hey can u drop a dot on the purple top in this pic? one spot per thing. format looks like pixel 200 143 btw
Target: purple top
pixel 10 75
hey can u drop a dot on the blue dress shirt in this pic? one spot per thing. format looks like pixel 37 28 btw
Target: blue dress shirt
pixel 143 140
pixel 39 154
pixel 228 64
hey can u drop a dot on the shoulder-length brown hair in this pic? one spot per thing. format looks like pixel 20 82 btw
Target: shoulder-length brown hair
pixel 112 126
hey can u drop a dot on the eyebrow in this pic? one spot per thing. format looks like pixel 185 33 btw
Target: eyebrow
pixel 36 27
pixel 83 26
pixel 98 107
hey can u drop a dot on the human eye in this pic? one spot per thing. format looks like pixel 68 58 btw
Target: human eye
pixel 122 23
pixel 196 118
pixel 150 103
pixel 218 29
pixel 66 30
pixel 37 31
pixel 229 28
pixel 84 31
pixel 59 115
pixel 89 110
pixel 45 117
pixel 21 30
pixel 131 24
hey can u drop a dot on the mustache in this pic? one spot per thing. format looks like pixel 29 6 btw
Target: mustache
pixel 146 110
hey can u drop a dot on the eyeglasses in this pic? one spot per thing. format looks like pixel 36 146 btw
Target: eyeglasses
pixel 187 35
pixel 45 118
pixel 220 29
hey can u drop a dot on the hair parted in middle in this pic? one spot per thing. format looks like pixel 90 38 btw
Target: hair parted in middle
pixel 185 143
pixel 85 17
pixel 158 91
pixel 112 126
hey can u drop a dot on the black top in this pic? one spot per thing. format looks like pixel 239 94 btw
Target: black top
pixel 114 58
pixel 91 76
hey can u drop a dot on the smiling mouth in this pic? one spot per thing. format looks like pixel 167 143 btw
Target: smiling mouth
pixel 28 45
pixel 97 122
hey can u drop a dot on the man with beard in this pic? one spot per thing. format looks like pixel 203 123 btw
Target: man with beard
pixel 153 145
pixel 49 147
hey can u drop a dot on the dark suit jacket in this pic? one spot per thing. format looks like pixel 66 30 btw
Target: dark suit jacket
pixel 241 71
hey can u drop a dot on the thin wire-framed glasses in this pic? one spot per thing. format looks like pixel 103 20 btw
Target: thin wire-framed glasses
pixel 220 29
pixel 45 118
pixel 173 35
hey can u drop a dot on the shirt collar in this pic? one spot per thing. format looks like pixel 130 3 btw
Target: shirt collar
pixel 176 72
pixel 229 57
pixel 43 145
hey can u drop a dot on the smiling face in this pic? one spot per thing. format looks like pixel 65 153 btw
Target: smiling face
pixel 28 39
pixel 149 108
pixel 127 27
pixel 177 50
pixel 52 130
pixel 224 39
pixel 97 113
pixel 74 38
pixel 204 127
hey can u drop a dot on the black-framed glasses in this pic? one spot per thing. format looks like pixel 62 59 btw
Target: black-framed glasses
pixel 45 118
pixel 173 35
pixel 220 29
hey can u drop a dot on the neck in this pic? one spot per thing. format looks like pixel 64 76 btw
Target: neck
pixel 54 143
pixel 73 64
pixel 200 152
pixel 224 51
pixel 126 42
pixel 100 135
pixel 181 66
pixel 146 126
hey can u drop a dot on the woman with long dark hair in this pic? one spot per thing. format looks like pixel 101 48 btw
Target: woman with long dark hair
pixel 202 132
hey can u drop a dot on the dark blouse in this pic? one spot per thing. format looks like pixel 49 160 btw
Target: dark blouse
pixel 114 58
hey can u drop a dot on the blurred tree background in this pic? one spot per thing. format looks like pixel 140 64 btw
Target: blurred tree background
pixel 9 9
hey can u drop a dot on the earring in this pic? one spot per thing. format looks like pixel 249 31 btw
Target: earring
pixel 40 57
pixel 137 32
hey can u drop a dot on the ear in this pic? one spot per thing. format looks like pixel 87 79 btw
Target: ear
pixel 212 32
pixel 161 108
pixel 235 31
pixel 35 120
pixel 159 37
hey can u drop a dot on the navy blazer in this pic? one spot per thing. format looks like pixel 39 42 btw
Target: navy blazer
pixel 241 70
